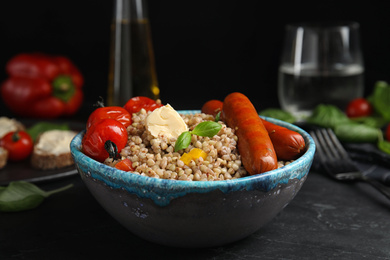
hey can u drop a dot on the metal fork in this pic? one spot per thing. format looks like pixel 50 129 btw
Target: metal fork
pixel 337 163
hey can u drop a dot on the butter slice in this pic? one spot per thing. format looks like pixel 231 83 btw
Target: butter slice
pixel 165 121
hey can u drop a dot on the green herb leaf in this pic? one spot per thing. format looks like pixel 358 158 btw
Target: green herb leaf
pixel 373 121
pixel 381 99
pixel 218 116
pixel 357 133
pixel 384 146
pixel 183 141
pixel 278 114
pixel 21 195
pixel 328 116
pixel 208 128
pixel 40 127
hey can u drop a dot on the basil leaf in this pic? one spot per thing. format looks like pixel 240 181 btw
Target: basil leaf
pixel 218 116
pixel 208 128
pixel 384 146
pixel 373 121
pixel 40 127
pixel 21 195
pixel 381 99
pixel 357 133
pixel 328 116
pixel 278 114
pixel 183 141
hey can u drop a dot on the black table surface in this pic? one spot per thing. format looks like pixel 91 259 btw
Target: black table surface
pixel 326 220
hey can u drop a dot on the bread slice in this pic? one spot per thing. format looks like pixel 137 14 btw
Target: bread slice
pixel 9 125
pixel 52 150
pixel 3 157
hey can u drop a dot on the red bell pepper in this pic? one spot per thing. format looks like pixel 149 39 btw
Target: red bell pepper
pixel 42 86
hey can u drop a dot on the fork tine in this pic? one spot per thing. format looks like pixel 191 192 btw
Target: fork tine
pixel 328 153
pixel 347 165
pixel 326 144
pixel 331 153
pixel 323 152
pixel 319 145
pixel 335 141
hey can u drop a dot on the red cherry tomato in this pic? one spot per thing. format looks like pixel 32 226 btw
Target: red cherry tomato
pixel 135 104
pixel 114 112
pixel 125 165
pixel 212 107
pixel 93 143
pixel 359 107
pixel 19 145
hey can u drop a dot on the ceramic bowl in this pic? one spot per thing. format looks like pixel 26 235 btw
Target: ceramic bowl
pixel 193 214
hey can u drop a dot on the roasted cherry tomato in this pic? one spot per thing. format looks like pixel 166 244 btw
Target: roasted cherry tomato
pixel 114 112
pixel 212 107
pixel 94 140
pixel 19 145
pixel 135 104
pixel 359 107
pixel 125 165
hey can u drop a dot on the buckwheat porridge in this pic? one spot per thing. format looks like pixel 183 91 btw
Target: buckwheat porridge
pixel 156 157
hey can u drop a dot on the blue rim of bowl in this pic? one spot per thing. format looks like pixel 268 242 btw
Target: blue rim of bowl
pixel 162 191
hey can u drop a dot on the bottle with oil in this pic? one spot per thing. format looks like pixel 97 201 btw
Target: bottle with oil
pixel 132 69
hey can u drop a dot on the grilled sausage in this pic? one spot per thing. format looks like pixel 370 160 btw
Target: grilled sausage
pixel 288 144
pixel 254 144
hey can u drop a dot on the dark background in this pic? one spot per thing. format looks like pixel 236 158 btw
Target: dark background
pixel 203 49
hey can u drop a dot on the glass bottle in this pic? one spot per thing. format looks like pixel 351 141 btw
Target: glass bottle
pixel 132 68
